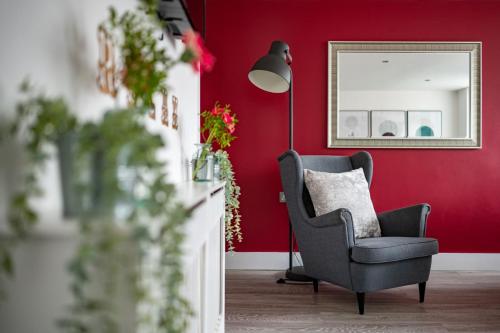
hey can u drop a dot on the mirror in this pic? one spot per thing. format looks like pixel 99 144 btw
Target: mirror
pixel 404 95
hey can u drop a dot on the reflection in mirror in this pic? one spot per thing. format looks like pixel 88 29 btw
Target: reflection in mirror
pixel 404 94
pixel 415 95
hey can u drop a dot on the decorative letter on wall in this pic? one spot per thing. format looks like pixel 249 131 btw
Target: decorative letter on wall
pixel 106 75
pixel 164 109
pixel 152 112
pixel 175 103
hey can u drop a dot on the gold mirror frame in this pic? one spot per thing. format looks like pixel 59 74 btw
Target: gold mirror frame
pixel 473 48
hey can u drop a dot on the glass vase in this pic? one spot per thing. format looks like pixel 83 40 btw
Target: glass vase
pixel 203 163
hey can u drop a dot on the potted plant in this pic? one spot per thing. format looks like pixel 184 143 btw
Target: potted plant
pixel 218 127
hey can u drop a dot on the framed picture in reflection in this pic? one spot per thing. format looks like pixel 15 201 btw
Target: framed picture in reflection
pixel 424 124
pixel 354 124
pixel 388 124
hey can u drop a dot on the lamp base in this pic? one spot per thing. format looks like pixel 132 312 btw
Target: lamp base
pixel 295 274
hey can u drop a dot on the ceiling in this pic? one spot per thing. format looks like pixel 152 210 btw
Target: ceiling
pixel 403 71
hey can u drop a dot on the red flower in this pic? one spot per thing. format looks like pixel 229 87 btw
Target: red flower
pixel 217 110
pixel 207 61
pixel 196 53
pixel 231 128
pixel 219 123
pixel 226 118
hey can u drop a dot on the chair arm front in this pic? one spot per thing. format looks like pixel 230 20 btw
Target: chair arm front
pixel 325 244
pixel 338 222
pixel 405 222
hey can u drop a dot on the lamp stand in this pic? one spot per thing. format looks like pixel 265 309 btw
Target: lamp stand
pixel 293 273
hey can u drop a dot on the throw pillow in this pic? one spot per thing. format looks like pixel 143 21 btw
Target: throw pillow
pixel 349 190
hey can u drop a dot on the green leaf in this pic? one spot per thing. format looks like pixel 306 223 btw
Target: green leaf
pixel 7 262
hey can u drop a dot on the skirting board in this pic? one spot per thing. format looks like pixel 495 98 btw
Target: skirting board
pixel 442 261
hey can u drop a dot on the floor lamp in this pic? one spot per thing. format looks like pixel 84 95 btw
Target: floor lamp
pixel 272 73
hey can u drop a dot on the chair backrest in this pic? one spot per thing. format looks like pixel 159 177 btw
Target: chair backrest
pixel 292 176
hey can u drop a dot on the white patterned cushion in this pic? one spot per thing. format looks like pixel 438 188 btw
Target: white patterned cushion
pixel 349 190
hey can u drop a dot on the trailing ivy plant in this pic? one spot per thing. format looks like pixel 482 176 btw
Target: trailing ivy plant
pixel 150 220
pixel 232 217
pixel 107 242
pixel 144 62
pixel 40 121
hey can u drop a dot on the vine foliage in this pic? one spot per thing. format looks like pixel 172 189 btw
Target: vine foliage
pixel 40 122
pixel 126 212
pixel 135 213
pixel 232 207
pixel 145 63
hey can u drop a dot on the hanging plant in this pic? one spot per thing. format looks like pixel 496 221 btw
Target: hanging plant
pixel 132 189
pixel 107 241
pixel 40 122
pixel 143 60
pixel 232 217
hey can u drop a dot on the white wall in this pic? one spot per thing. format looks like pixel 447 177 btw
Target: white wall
pixel 446 101
pixel 54 43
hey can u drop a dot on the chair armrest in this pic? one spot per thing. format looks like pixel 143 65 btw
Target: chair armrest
pixel 325 244
pixel 405 222
pixel 338 222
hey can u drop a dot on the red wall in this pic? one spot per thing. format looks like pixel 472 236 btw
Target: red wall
pixel 463 186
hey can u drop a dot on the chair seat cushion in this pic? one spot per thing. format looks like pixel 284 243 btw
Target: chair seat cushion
pixel 387 249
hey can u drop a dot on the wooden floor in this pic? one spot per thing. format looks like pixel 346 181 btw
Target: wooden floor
pixel 455 302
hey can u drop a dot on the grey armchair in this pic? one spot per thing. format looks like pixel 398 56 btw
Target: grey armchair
pixel 329 251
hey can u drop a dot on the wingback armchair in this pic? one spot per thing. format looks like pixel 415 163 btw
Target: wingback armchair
pixel 329 250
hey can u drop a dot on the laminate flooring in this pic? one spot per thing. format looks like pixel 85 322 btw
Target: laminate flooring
pixel 454 302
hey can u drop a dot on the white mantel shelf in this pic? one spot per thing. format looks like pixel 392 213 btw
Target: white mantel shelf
pixel 190 194
pixel 54 225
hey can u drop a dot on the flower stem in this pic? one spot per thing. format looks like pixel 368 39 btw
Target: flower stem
pixel 203 156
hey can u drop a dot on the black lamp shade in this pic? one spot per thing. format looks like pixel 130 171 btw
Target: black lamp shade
pixel 271 72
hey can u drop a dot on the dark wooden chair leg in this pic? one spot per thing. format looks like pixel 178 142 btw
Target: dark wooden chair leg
pixel 361 302
pixel 421 291
pixel 315 284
